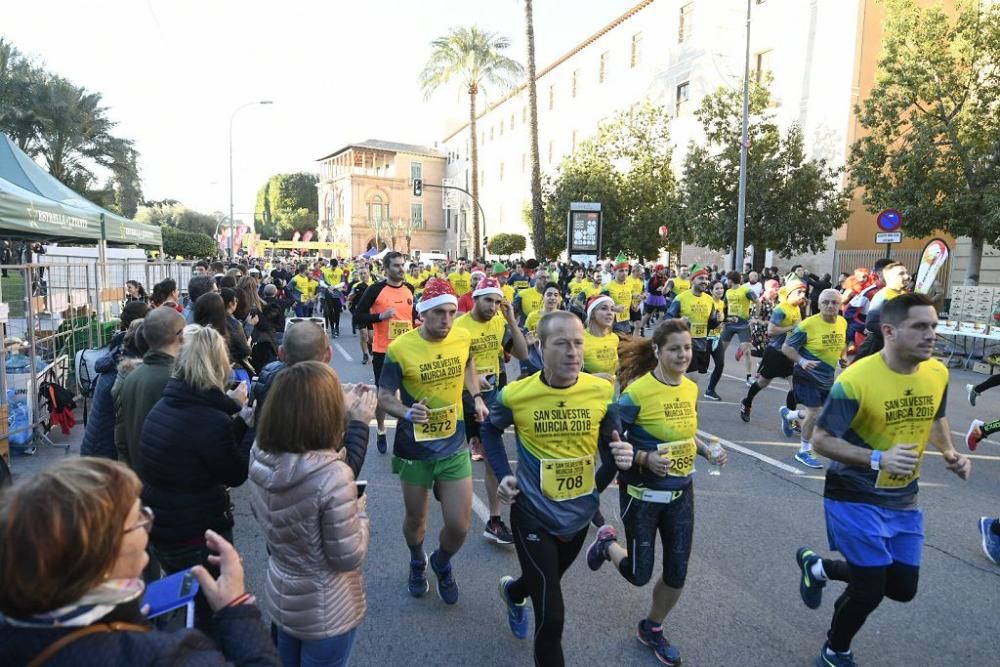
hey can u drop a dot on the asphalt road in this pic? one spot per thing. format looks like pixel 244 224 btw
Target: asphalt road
pixel 741 604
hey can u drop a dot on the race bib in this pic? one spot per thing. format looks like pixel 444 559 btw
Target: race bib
pixel 397 328
pixel 887 480
pixel 681 454
pixel 699 330
pixel 441 424
pixel 565 479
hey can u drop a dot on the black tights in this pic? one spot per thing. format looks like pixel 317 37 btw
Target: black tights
pixel 718 364
pixel 866 586
pixel 987 384
pixel 544 558
pixel 755 389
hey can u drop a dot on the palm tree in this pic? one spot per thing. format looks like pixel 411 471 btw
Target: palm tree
pixel 537 211
pixel 474 59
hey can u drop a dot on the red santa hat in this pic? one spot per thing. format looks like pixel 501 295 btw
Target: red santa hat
pixel 437 292
pixel 487 286
pixel 596 300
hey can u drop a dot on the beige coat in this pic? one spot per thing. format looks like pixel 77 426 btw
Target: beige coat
pixel 317 537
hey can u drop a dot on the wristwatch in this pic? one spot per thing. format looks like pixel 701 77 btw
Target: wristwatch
pixel 876 459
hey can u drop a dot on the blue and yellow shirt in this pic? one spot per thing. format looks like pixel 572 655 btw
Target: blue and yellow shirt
pixel 783 315
pixel 874 407
pixel 529 300
pixel 434 370
pixel 487 342
pixel 817 340
pixel 740 301
pixel 600 353
pixel 621 294
pixel 696 308
pixel 664 418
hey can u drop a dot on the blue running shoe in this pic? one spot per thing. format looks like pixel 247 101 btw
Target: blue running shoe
pixel 652 636
pixel 991 541
pixel 786 423
pixel 810 588
pixel 828 658
pixel 447 588
pixel 597 552
pixel 807 459
pixel 417 583
pixel 517 614
pixel 381 443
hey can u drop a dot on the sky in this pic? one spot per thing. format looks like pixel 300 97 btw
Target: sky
pixel 171 73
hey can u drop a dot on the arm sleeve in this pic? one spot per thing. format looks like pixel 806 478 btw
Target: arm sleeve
pixel 796 339
pixel 365 303
pixel 943 405
pixel 491 434
pixel 344 530
pixel 839 412
pixel 778 317
pixel 606 473
pixel 628 412
pixel 674 309
pixel 356 443
pixel 392 374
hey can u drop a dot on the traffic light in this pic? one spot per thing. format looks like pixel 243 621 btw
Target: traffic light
pixel 486 240
pixel 418 187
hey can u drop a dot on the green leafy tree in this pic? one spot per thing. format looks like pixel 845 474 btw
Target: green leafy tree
pixel 584 176
pixel 475 60
pixel 188 244
pixel 505 244
pixel 794 203
pixel 933 121
pixel 286 204
pixel 171 213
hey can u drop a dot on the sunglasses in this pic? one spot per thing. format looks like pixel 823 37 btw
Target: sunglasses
pixel 145 521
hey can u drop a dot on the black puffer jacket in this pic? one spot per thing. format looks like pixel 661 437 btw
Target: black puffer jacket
pixel 191 451
pixel 99 434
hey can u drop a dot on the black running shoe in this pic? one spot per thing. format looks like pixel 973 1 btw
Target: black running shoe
pixel 745 410
pixel 380 443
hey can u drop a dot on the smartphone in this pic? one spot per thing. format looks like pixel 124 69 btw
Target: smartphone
pixel 170 593
pixel 362 484
pixel 233 385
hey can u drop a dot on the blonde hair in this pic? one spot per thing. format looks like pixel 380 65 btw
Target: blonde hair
pixel 203 361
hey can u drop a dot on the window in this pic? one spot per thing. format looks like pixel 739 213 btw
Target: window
pixel 416 170
pixel 501 127
pixel 417 216
pixel 576 78
pixel 378 210
pixel 482 176
pixel 501 171
pixel 683 93
pixel 602 72
pixel 552 97
pixel 685 25
pixel 762 65
pixel 636 50
pixel 482 137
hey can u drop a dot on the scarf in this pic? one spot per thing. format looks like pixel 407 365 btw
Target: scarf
pixel 93 606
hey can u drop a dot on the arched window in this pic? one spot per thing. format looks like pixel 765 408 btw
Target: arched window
pixel 378 209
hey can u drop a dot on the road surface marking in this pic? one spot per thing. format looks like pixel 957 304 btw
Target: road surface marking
pixel 775 384
pixel 479 507
pixel 757 455
pixel 340 348
pixel 933 452
pixel 962 436
pixel 823 478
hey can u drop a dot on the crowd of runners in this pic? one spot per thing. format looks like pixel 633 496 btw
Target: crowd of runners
pixel 606 394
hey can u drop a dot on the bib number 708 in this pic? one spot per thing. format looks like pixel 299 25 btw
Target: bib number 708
pixel 570 483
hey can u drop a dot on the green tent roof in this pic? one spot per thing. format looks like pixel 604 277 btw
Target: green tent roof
pixel 34 204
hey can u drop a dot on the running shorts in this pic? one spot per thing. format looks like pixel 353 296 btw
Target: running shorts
pixel 775 364
pixel 378 359
pixel 700 360
pixel 425 473
pixel 872 536
pixel 739 329
pixel 807 391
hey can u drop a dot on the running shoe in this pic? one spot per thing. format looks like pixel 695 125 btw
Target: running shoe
pixel 750 380
pixel 739 353
pixel 597 552
pixel 810 588
pixel 364 360
pixel 786 422
pixel 970 389
pixel 652 636
pixel 829 658
pixel 517 614
pixel 380 443
pixel 447 587
pixel 807 459
pixel 745 411
pixel 417 583
pixel 497 531
pixel 476 446
pixel 974 435
pixel 991 541
pixel 711 395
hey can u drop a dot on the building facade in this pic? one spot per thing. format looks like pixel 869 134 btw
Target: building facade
pixel 820 54
pixel 367 198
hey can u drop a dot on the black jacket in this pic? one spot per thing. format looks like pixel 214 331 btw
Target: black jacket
pixel 99 433
pixel 238 638
pixel 191 451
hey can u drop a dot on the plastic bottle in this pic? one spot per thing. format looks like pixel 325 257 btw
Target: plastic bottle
pixel 715 449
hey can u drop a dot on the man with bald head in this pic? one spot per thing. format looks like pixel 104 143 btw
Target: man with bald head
pixel 816 346
pixel 163 329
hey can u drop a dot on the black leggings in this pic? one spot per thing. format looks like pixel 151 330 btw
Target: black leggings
pixel 643 520
pixel 718 364
pixel 987 384
pixel 332 309
pixel 866 586
pixel 543 558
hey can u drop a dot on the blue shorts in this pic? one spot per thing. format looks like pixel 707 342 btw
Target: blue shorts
pixel 873 536
pixel 808 392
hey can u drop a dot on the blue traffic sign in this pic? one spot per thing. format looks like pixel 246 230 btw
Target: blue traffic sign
pixel 890 220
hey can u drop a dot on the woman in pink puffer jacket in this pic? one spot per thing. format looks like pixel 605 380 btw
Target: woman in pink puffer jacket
pixel 304 496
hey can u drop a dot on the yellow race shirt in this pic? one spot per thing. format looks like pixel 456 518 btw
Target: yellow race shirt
pixel 740 302
pixel 432 370
pixel 305 286
pixel 720 314
pixel 621 294
pixel 332 277
pixel 681 285
pixel 600 353
pixel 531 300
pixel 414 281
pixel 508 293
pixel 487 343
pixel 638 287
pixel 460 282
pixel 874 407
pixel 818 340
pixel 577 286
pixel 783 315
pixel 697 309
pixel 664 418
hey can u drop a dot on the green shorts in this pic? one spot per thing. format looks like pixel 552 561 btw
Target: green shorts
pixel 425 473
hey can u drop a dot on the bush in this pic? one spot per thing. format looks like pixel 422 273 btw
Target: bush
pixel 507 244
pixel 187 244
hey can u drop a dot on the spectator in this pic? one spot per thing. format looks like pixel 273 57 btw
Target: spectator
pixel 303 495
pixel 265 337
pixel 134 291
pixel 165 294
pixel 210 311
pixel 247 299
pixel 272 296
pixel 76 533
pixel 197 286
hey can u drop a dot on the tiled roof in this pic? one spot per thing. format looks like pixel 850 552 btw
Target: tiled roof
pixel 388 146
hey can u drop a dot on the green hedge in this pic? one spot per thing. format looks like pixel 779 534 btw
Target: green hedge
pixel 187 244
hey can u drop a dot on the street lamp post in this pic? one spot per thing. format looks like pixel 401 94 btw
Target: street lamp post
pixel 231 118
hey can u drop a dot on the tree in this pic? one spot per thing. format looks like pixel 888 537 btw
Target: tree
pixel 476 60
pixel 188 244
pixel 584 176
pixel 171 213
pixel 507 244
pixel 537 206
pixel 793 203
pixel 286 204
pixel 933 118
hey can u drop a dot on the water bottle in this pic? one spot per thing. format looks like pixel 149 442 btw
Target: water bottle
pixel 715 449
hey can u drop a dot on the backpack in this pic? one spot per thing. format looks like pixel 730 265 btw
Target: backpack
pixel 86 369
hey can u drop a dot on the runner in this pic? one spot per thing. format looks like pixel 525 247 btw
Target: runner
pixel 680 283
pixel 386 306
pixel 600 342
pixel 716 351
pixel 785 316
pixel 550 303
pixel 740 299
pixel 304 289
pixel 638 283
pixel 461 280
pixel 620 291
pixel 500 273
pixel 659 415
pixel 816 347
pixel 529 299
pixel 656 301
pixel 579 283
pixel 360 280
pixel 564 420
pixel 894 278
pixel 881 414
pixel 697 307
pixel 492 326
pixel 333 288
pixel 429 367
